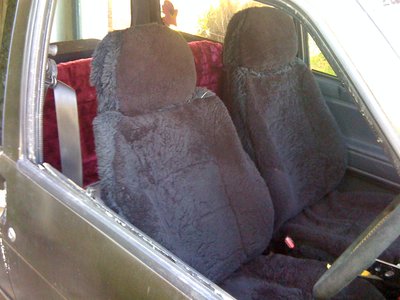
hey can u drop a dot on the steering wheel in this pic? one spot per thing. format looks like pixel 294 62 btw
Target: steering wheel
pixel 361 253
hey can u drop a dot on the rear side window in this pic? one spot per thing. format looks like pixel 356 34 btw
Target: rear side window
pixel 7 11
pixel 89 19
pixel 318 62
pixel 205 18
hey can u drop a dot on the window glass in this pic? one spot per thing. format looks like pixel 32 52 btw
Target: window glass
pixel 206 18
pixel 7 11
pixel 86 19
pixel 318 61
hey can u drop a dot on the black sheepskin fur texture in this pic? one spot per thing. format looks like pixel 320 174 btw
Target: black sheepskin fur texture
pixel 340 219
pixel 284 277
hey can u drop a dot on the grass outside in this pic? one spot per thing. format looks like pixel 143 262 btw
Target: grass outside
pixel 319 63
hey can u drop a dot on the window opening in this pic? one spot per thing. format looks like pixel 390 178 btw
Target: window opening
pixel 318 61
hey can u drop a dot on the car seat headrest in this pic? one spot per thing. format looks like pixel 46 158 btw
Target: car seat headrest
pixel 155 69
pixel 260 38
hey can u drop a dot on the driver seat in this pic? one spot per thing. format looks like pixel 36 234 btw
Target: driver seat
pixel 171 163
pixel 288 131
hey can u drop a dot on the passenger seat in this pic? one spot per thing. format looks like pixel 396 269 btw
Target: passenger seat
pixel 171 163
pixel 75 73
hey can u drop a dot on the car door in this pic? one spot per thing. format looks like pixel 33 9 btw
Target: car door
pixel 57 241
pixel 366 155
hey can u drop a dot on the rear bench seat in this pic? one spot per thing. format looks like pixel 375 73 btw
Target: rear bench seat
pixel 208 61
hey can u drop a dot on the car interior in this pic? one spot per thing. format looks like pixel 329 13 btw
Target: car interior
pixel 236 156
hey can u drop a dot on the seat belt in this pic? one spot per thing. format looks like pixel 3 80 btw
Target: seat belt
pixel 67 125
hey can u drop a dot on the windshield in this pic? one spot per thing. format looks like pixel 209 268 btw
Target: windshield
pixel 386 16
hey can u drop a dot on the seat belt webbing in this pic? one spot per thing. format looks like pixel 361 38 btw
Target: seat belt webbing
pixel 68 131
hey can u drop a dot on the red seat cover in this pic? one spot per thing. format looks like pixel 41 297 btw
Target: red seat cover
pixel 208 62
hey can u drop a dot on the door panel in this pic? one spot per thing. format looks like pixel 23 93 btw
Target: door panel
pixel 58 253
pixel 5 284
pixel 365 154
pixel 29 284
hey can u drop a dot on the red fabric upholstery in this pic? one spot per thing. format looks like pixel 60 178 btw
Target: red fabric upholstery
pixel 76 74
pixel 208 61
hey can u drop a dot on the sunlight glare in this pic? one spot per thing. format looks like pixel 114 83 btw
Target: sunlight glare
pixel 189 12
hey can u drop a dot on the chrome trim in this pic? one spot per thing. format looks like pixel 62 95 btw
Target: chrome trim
pixel 33 78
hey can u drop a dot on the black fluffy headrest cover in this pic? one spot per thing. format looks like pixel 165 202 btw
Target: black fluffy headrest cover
pixel 155 69
pixel 260 38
